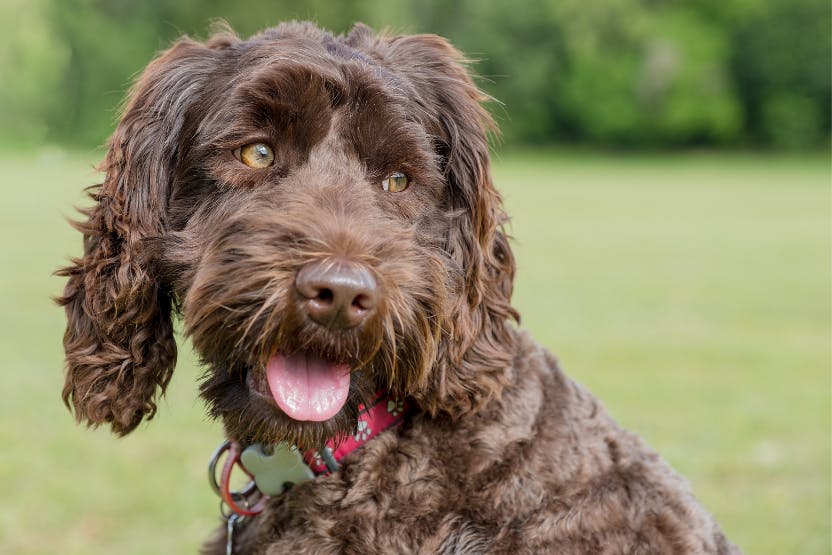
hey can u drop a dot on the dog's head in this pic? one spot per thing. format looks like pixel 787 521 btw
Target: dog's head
pixel 319 210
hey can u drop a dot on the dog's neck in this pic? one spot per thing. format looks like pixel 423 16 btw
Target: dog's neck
pixel 382 413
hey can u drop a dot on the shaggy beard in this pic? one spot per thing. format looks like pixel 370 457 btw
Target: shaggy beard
pixel 394 350
pixel 236 390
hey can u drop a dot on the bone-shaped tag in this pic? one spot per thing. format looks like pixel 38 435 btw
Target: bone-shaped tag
pixel 271 471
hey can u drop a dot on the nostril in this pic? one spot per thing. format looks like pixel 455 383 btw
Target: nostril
pixel 363 302
pixel 325 295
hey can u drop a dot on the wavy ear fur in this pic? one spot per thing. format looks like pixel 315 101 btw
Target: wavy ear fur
pixel 477 348
pixel 119 343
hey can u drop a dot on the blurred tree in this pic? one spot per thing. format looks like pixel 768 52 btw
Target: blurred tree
pixel 626 73
pixel 781 60
pixel 32 64
pixel 684 89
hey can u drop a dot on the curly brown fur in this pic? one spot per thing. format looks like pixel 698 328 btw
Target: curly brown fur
pixel 506 454
pixel 542 470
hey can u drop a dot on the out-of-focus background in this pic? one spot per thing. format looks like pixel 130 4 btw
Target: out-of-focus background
pixel 667 168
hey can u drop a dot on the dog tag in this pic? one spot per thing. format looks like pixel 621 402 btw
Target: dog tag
pixel 271 468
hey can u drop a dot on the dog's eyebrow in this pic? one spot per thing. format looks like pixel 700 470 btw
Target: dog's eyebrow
pixel 347 52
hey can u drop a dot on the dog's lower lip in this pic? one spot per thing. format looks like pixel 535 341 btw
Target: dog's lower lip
pixel 258 385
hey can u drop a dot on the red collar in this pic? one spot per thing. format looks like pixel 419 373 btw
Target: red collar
pixel 383 413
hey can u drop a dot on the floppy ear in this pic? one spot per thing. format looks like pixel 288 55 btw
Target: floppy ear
pixel 477 348
pixel 119 341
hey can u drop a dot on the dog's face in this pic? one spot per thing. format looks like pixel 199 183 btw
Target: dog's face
pixel 319 211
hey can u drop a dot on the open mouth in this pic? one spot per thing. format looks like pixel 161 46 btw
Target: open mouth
pixel 305 386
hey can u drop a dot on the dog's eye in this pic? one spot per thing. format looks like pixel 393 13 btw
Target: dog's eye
pixel 396 182
pixel 256 155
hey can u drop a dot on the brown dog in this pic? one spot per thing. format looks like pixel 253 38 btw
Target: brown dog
pixel 319 210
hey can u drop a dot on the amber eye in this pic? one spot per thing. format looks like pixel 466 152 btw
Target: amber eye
pixel 396 182
pixel 257 155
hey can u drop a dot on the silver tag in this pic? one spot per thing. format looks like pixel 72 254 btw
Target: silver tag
pixel 274 467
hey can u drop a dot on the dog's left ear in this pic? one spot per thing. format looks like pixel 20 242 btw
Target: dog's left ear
pixel 477 347
pixel 120 350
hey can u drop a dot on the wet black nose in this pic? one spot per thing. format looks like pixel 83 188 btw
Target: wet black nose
pixel 337 294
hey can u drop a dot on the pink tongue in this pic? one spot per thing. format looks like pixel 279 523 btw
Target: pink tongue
pixel 307 387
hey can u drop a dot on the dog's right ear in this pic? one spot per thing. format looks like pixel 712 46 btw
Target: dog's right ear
pixel 120 350
pixel 478 348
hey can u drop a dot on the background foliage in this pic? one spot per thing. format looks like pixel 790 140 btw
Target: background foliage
pixel 623 73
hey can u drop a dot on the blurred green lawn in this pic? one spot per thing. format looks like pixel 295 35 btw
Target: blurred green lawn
pixel 690 292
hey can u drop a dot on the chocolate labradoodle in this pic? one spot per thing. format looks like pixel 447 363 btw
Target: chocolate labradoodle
pixel 319 211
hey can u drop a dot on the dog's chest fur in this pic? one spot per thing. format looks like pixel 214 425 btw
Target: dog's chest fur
pixel 542 470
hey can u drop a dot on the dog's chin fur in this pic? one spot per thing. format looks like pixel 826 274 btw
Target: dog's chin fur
pixel 505 454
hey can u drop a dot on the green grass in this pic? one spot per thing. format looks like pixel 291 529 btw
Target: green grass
pixel 691 293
